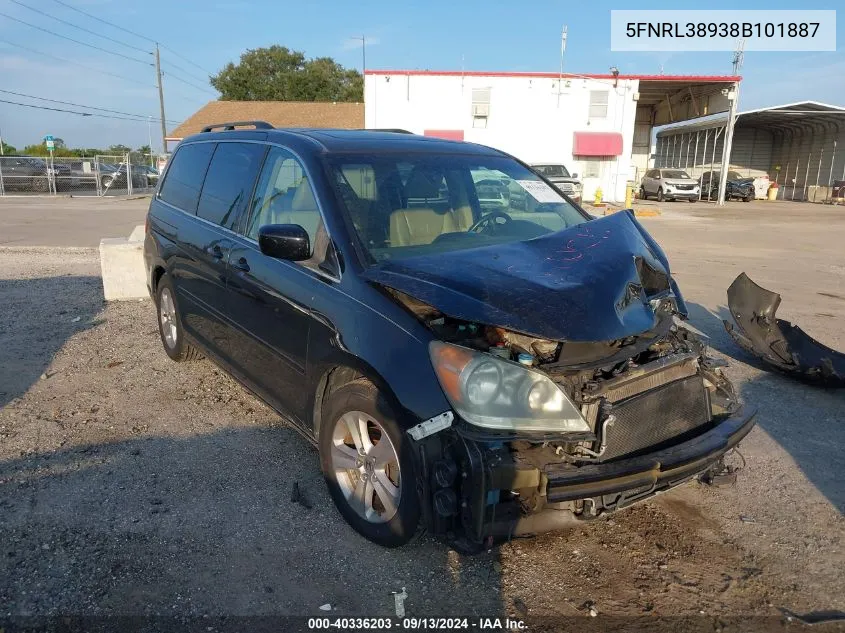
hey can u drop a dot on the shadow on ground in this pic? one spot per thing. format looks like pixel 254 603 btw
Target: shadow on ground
pixel 120 527
pixel 30 304
pixel 808 421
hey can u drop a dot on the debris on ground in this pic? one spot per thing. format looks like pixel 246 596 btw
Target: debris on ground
pixel 326 607
pixel 399 602
pixel 777 342
pixel 296 496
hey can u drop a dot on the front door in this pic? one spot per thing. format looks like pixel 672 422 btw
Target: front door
pixel 269 298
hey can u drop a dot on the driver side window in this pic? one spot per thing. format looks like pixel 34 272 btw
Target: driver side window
pixel 283 196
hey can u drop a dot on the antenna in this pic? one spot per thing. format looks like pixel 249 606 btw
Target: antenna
pixel 739 56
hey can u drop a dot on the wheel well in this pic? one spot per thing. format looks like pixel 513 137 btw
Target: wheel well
pixel 331 381
pixel 158 273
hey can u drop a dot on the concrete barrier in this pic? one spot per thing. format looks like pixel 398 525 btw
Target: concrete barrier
pixel 122 266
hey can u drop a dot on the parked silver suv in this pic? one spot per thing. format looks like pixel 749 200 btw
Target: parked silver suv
pixel 669 184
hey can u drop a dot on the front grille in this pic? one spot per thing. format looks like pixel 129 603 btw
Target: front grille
pixel 673 411
pixel 684 187
pixel 566 187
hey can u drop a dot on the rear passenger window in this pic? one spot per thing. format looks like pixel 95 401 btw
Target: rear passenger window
pixel 229 181
pixel 185 174
pixel 283 196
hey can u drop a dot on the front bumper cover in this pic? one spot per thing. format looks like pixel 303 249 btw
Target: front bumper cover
pixel 626 481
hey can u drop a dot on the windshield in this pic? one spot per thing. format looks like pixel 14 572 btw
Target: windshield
pixel 403 205
pixel 552 171
pixel 676 174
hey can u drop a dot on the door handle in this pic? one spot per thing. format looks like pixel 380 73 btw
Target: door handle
pixel 241 264
pixel 215 251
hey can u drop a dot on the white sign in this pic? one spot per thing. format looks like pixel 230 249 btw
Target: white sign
pixel 540 191
pixel 51 145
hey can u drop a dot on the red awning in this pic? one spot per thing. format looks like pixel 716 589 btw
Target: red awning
pixel 449 135
pixel 597 144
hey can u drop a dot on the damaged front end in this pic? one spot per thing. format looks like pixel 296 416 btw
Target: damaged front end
pixel 653 411
pixel 777 342
pixel 575 389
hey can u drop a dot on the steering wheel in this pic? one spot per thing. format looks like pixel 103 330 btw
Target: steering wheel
pixel 492 219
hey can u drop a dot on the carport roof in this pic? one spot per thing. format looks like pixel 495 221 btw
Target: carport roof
pixel 790 116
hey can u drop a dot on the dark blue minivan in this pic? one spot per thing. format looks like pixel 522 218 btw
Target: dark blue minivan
pixel 471 352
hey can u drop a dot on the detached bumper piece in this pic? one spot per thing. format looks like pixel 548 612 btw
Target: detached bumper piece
pixel 777 342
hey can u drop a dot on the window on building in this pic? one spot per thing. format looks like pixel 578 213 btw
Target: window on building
pixel 182 185
pixel 480 107
pixel 598 104
pixel 228 184
pixel 591 167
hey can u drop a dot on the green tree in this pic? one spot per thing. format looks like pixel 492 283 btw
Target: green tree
pixel 119 149
pixel 280 74
pixel 8 149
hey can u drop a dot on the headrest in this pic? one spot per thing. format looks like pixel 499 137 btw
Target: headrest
pixel 423 184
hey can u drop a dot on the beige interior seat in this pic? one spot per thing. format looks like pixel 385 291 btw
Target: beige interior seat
pixel 428 213
pixel 303 209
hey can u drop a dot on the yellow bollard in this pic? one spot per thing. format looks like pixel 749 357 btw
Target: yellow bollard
pixel 597 201
pixel 629 196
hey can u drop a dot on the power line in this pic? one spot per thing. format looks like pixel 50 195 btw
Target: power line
pixel 105 37
pixel 42 107
pixel 80 105
pixel 182 57
pixel 68 61
pixel 70 39
pixel 187 72
pixel 184 81
pixel 125 30
pixel 64 4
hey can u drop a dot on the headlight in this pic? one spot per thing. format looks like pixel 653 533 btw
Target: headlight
pixel 499 394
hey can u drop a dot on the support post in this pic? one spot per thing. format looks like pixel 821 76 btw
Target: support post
pixel 726 148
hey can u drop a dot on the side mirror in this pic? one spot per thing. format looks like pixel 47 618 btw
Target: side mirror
pixel 657 177
pixel 574 175
pixel 284 241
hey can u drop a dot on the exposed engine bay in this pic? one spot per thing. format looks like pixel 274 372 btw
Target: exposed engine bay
pixel 638 395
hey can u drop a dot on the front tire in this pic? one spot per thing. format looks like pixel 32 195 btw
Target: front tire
pixel 660 196
pixel 643 195
pixel 170 324
pixel 368 465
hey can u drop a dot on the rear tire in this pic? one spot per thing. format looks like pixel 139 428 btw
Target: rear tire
pixel 373 488
pixel 748 198
pixel 40 184
pixel 170 324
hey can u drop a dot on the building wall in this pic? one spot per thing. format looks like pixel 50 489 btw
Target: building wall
pixel 810 159
pixel 527 118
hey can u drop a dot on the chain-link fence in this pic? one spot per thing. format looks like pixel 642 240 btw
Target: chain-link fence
pixel 99 175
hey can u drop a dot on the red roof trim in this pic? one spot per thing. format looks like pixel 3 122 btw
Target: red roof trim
pixel 530 75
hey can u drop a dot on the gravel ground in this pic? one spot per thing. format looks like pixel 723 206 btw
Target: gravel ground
pixel 133 485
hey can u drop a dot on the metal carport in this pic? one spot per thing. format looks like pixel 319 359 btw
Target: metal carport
pixel 801 146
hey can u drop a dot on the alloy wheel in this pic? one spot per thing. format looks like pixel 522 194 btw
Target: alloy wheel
pixel 167 316
pixel 366 466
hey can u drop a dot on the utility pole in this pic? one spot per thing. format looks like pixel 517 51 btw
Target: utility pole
pixel 161 105
pixel 733 95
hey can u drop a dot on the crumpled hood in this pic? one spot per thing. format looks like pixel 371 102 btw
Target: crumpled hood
pixel 591 282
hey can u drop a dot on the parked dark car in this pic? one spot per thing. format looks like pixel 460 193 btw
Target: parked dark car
pixel 483 375
pixel 736 187
pixel 114 176
pixel 25 173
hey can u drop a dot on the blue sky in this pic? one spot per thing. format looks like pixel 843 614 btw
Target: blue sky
pixel 435 35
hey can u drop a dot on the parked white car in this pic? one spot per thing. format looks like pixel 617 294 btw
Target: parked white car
pixel 669 184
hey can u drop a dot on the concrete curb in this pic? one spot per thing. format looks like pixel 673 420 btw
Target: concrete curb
pixel 122 266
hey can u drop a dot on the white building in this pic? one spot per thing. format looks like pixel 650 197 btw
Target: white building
pixel 599 126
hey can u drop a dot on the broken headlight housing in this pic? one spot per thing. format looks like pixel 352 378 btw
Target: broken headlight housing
pixel 499 394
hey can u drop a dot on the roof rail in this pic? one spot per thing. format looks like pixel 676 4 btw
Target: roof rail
pixel 385 129
pixel 258 125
